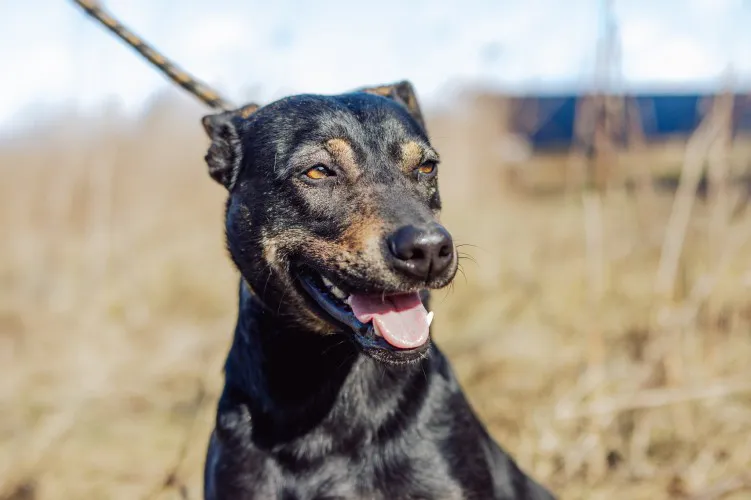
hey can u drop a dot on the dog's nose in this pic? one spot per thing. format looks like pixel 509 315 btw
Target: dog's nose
pixel 421 252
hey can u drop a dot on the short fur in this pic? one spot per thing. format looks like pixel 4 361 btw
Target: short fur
pixel 305 413
pixel 310 411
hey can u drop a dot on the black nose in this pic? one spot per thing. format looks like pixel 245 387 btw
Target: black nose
pixel 421 252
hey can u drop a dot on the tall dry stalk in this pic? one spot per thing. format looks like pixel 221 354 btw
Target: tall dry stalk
pixel 639 171
pixel 695 158
pixel 636 142
pixel 720 201
pixel 680 336
pixel 577 165
pixel 718 174
pixel 608 135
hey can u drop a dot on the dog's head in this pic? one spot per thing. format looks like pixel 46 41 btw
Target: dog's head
pixel 332 213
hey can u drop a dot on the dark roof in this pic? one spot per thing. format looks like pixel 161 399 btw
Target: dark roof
pixel 661 114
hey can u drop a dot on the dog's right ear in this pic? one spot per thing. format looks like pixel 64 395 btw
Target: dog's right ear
pixel 404 93
pixel 225 153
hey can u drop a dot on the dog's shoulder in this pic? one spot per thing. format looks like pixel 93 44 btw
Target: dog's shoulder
pixel 483 467
pixel 233 471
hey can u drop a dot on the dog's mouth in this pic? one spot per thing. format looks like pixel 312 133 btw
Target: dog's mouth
pixel 396 322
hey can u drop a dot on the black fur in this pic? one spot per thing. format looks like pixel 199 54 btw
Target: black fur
pixel 309 411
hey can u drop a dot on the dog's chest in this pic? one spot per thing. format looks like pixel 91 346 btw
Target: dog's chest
pixel 375 475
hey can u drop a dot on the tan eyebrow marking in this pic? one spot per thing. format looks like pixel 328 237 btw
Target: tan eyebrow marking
pixel 343 155
pixel 412 154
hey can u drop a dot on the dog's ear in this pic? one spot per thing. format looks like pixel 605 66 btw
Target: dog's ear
pixel 225 153
pixel 402 92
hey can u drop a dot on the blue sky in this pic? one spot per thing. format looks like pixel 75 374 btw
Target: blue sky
pixel 53 57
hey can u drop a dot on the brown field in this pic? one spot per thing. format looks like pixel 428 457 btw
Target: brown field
pixel 117 303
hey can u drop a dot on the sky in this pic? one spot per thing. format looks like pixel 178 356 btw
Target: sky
pixel 53 57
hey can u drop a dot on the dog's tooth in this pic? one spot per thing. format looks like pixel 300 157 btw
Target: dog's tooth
pixel 327 282
pixel 429 317
pixel 338 293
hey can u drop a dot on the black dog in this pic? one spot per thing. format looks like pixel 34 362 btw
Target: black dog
pixel 334 389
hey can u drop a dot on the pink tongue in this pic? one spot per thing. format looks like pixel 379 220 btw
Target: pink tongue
pixel 400 319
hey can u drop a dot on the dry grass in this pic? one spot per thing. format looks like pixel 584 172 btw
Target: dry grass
pixel 117 303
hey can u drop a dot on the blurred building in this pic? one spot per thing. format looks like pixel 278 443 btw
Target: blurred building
pixel 549 121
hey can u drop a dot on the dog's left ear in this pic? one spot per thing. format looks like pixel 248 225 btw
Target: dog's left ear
pixel 402 92
pixel 225 154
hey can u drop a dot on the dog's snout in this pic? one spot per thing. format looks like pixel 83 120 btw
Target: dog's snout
pixel 421 252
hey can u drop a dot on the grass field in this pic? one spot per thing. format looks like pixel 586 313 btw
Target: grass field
pixel 117 302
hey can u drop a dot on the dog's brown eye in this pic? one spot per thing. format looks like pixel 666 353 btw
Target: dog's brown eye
pixel 427 168
pixel 318 172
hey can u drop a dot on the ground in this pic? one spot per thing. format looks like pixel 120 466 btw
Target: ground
pixel 117 301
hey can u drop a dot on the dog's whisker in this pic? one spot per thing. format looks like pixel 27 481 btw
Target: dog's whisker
pixel 459 269
pixel 464 256
pixel 268 277
pixel 328 349
pixel 461 245
pixel 446 292
pixel 284 294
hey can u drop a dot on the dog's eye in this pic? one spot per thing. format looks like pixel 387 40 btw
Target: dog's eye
pixel 427 169
pixel 319 172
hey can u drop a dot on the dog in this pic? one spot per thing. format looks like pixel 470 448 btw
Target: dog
pixel 334 388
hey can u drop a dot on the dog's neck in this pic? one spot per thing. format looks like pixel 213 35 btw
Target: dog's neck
pixel 291 381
